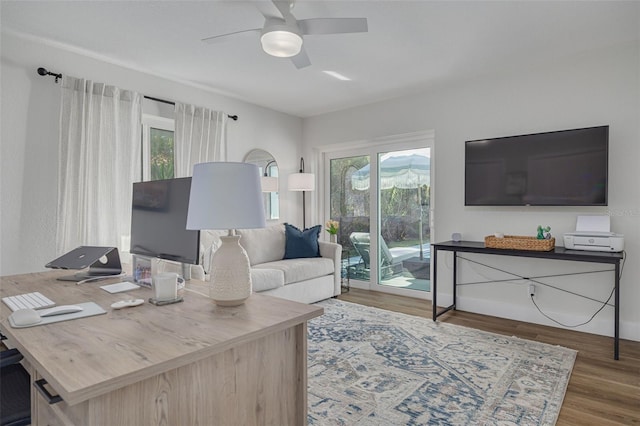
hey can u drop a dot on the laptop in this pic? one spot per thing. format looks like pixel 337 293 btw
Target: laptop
pixel 101 261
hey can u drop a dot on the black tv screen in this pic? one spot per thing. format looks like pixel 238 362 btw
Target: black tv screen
pixel 159 221
pixel 562 168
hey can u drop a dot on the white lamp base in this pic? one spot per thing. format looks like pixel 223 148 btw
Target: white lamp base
pixel 230 275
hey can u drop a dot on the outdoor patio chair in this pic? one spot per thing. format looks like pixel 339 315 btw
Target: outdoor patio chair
pixel 362 244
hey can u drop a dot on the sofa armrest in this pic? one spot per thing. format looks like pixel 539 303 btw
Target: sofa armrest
pixel 333 251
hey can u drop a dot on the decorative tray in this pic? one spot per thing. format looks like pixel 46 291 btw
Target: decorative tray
pixel 514 242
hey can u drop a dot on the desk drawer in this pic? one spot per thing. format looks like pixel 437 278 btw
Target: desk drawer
pixel 45 414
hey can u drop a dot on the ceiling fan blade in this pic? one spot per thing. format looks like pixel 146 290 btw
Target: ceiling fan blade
pixel 333 25
pixel 284 6
pixel 213 39
pixel 301 60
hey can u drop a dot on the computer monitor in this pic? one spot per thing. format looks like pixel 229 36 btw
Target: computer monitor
pixel 159 219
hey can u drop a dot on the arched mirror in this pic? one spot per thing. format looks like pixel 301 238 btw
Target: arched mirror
pixel 270 180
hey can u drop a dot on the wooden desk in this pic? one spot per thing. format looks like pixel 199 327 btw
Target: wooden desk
pixel 180 364
pixel 558 253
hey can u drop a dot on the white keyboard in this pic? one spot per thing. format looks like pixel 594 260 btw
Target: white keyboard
pixel 28 301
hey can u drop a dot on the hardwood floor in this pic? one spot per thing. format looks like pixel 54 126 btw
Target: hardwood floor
pixel 601 391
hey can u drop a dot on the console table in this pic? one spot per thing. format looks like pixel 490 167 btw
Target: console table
pixel 186 363
pixel 559 253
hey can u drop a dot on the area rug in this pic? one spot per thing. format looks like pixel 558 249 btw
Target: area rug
pixel 370 366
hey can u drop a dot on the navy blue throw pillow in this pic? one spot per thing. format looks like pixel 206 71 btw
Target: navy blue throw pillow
pixel 300 244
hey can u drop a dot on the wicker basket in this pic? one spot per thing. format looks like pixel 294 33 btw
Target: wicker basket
pixel 514 242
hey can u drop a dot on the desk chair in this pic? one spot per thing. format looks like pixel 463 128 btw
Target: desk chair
pixel 15 393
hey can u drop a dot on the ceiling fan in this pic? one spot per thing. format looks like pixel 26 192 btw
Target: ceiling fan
pixel 281 36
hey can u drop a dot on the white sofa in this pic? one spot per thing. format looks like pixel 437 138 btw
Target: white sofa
pixel 305 280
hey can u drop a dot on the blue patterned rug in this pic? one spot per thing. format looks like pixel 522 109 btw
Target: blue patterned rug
pixel 369 366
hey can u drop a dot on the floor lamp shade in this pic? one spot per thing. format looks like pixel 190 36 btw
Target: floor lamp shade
pixel 302 182
pixel 269 184
pixel 227 196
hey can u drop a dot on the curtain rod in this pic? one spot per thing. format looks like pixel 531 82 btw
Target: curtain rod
pixel 164 101
pixel 45 72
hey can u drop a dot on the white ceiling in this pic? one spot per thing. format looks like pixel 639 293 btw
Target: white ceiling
pixel 410 46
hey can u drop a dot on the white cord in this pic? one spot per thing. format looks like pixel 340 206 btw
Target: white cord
pixel 197 292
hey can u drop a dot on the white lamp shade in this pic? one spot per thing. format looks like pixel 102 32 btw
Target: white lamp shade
pixel 225 195
pixel 269 183
pixel 282 44
pixel 302 182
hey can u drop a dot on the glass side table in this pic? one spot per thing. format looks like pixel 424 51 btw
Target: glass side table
pixel 345 273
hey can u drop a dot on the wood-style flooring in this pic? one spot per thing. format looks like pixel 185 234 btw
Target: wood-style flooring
pixel 601 391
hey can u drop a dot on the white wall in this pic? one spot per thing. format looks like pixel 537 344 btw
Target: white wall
pixel 29 140
pixel 595 88
pixel 600 87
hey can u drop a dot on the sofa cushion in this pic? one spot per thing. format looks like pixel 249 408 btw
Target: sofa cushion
pixel 301 244
pixel 296 270
pixel 263 244
pixel 266 279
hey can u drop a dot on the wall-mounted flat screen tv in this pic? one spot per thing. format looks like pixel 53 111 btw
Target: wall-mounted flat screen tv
pixel 159 221
pixel 562 168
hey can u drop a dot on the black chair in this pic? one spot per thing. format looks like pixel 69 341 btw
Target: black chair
pixel 15 392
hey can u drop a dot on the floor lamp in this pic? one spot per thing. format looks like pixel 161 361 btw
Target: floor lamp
pixel 302 181
pixel 267 182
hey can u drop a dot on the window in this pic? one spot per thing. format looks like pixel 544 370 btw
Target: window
pixel 272 199
pixel 158 153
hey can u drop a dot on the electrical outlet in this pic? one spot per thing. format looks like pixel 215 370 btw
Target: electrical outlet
pixel 532 290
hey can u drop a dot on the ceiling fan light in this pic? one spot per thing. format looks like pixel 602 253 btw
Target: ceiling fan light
pixel 282 44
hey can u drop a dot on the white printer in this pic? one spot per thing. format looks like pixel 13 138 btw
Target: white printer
pixel 594 233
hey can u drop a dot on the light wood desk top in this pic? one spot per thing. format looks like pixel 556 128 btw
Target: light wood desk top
pixel 87 357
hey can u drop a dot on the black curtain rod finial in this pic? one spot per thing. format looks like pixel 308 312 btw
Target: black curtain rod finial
pixel 44 72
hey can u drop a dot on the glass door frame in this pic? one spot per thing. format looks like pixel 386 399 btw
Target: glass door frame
pixel 372 148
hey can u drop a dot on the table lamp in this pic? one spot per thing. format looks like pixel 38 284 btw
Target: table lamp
pixel 226 195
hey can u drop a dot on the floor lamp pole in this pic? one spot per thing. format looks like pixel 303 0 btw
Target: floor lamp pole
pixel 304 213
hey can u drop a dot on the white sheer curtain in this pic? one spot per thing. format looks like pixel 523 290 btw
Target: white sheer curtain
pixel 200 137
pixel 99 160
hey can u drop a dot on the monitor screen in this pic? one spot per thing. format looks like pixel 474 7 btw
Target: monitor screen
pixel 159 220
pixel 563 168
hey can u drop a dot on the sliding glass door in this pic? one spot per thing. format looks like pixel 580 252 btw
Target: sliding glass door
pixel 381 198
pixel 350 206
pixel 404 200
